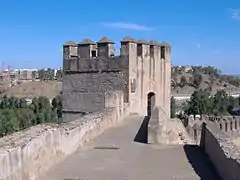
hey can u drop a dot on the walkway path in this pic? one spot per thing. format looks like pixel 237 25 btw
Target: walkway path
pixel 131 160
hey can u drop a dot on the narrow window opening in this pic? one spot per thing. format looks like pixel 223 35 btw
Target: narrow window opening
pixel 94 53
pixel 139 50
pixel 163 52
pixel 152 51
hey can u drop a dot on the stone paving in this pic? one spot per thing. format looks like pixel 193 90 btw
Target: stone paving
pixel 115 156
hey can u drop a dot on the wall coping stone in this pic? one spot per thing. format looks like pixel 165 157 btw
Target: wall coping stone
pixel 23 137
pixel 33 151
pixel 229 148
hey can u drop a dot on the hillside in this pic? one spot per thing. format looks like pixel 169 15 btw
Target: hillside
pixel 184 81
pixel 35 88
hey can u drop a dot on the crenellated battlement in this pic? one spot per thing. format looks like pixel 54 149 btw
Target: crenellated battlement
pixel 93 68
pixel 228 124
pixel 105 47
pixel 88 55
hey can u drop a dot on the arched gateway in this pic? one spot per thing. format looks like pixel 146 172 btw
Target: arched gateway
pixel 151 103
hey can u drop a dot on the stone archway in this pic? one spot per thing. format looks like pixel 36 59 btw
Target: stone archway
pixel 142 134
pixel 151 101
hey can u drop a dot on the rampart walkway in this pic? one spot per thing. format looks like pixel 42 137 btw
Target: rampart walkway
pixel 131 160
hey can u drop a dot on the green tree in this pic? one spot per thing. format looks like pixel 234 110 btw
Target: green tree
pixel 183 81
pixel 22 103
pixel 199 103
pixel 2 124
pixel 57 106
pixel 221 103
pixel 25 117
pixel 16 114
pixel 13 102
pixel 173 107
pixel 202 103
pixel 59 75
pixel 49 74
pixel 34 75
pixel 41 74
pixel 43 102
pixel 9 121
pixel 40 118
pixel 197 79
pixel 4 102
pixel 48 114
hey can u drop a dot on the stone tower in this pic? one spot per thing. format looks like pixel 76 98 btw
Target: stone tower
pixel 92 69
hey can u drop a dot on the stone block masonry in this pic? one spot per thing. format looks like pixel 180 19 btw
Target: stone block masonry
pixel 215 136
pixel 25 155
pixel 230 125
pixel 224 155
pixel 97 83
pixel 91 69
pixel 85 92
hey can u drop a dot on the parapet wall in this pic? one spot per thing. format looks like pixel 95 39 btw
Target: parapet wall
pixel 93 82
pixel 224 155
pixel 215 135
pixel 85 92
pixel 103 64
pixel 80 57
pixel 27 154
pixel 163 130
pixel 230 125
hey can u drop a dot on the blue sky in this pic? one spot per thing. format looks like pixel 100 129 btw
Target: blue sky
pixel 201 32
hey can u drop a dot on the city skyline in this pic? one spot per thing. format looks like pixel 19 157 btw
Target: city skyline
pixel 8 67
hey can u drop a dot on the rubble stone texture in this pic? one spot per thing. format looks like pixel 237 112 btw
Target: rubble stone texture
pixel 93 70
pixel 218 137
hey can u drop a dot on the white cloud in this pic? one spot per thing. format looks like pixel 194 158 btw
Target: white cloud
pixel 235 14
pixel 131 26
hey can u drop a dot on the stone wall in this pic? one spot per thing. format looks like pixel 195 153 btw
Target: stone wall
pixel 142 67
pixel 163 130
pixel 216 137
pixel 93 82
pixel 224 155
pixel 25 155
pixel 94 64
pixel 230 125
pixel 84 92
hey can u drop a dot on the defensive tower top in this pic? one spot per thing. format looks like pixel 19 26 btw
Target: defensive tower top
pixel 105 47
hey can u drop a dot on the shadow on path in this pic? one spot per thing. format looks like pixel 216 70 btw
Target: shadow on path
pixel 142 134
pixel 195 155
pixel 200 163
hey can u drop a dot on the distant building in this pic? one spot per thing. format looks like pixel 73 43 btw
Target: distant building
pixel 22 74
pixel 188 68
pixel 27 74
pixel 181 68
